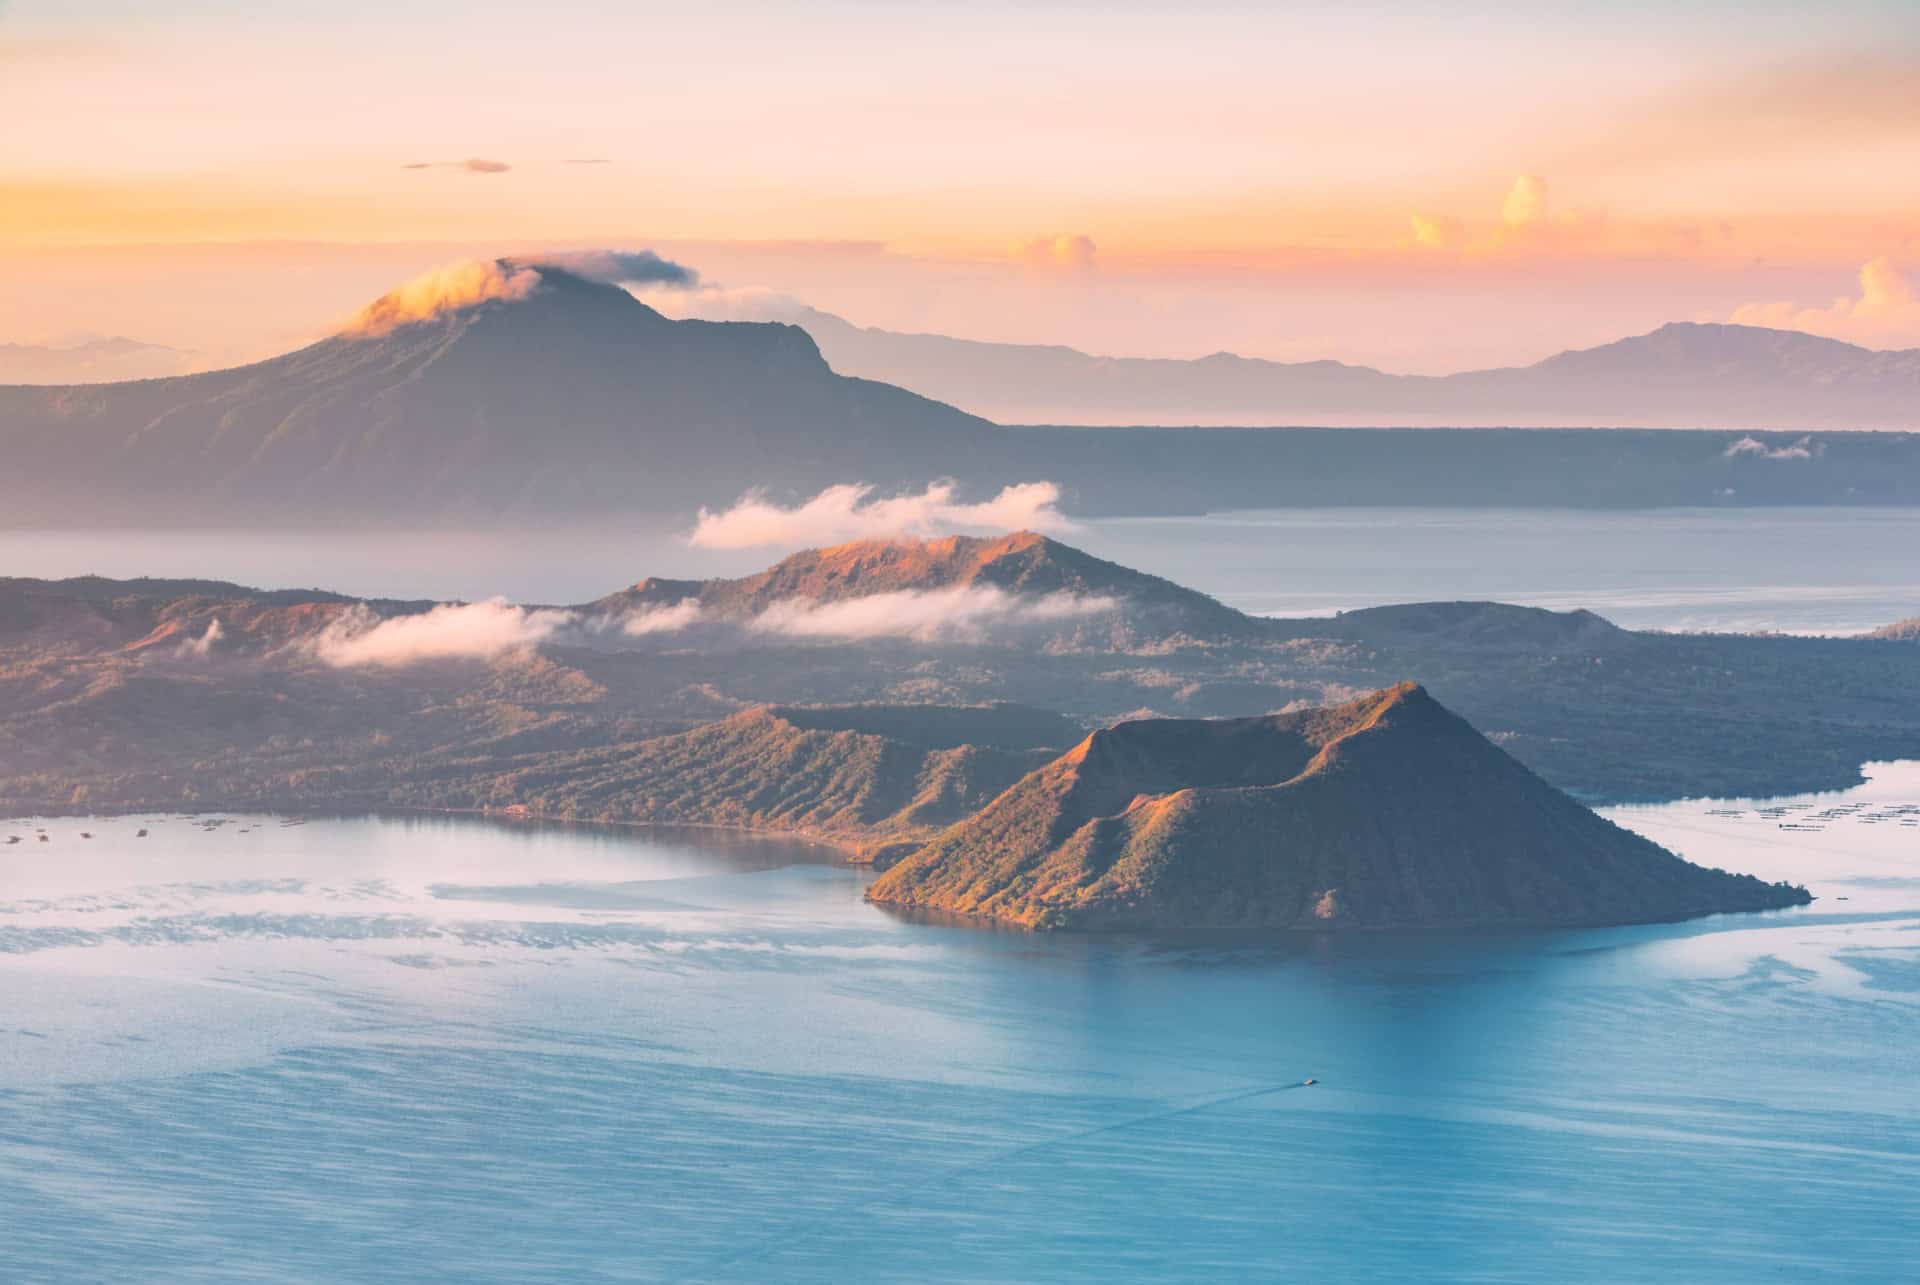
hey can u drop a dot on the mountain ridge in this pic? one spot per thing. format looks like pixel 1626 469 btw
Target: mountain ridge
pixel 1386 812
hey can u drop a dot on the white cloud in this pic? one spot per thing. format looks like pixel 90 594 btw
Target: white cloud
pixel 966 613
pixel 450 631
pixel 1804 449
pixel 660 620
pixel 850 512
pixel 203 645
pixel 1886 312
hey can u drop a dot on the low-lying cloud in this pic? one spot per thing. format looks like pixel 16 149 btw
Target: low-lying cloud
pixel 850 511
pixel 661 620
pixel 1753 448
pixel 967 613
pixel 450 631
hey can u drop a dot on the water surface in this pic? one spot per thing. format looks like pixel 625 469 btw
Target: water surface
pixel 414 1048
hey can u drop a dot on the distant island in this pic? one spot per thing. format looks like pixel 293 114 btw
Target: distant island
pixel 1386 812
pixel 745 701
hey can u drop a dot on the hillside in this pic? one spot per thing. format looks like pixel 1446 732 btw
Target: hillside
pixel 572 396
pixel 1023 567
pixel 1386 812
pixel 859 774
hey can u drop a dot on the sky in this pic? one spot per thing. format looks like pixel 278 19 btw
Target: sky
pixel 1423 187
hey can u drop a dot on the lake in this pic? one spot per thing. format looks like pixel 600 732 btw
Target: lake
pixel 426 1048
pixel 1797 570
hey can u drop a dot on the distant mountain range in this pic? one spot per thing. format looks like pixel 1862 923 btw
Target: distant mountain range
pixel 1682 375
pixel 574 402
pixel 88 361
pixel 1385 812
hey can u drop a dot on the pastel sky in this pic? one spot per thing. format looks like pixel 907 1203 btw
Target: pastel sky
pixel 1422 186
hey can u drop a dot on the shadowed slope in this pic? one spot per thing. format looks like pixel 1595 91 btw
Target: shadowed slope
pixel 1389 811
pixel 854 773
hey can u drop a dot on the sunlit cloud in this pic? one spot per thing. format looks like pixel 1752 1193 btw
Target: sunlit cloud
pixel 1073 252
pixel 1885 312
pixel 851 512
pixel 440 291
pixel 1525 203
pixel 1434 232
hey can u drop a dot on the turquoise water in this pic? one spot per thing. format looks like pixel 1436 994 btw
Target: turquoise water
pixel 424 1048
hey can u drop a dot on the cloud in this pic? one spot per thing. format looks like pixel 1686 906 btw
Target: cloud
pixel 587 160
pixel 471 165
pixel 455 286
pixel 1525 203
pixel 966 613
pixel 615 267
pixel 450 631
pixel 849 512
pixel 203 646
pixel 1886 311
pixel 1804 449
pixel 435 293
pixel 660 620
pixel 1434 232
pixel 1073 252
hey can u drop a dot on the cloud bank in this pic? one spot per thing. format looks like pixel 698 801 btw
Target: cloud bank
pixel 450 631
pixel 1885 312
pixel 967 613
pixel 850 512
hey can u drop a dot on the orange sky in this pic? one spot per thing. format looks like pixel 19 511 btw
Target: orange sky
pixel 1501 184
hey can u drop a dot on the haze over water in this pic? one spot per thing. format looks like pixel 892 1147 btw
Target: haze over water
pixel 422 1048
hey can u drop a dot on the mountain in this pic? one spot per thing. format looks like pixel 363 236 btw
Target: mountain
pixel 569 401
pixel 1060 587
pixel 1907 630
pixel 88 361
pixel 1386 812
pixel 856 774
pixel 1682 375
pixel 168 693
pixel 572 396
